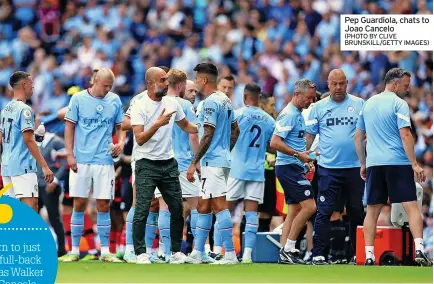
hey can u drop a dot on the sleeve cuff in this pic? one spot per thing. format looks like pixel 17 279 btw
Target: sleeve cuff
pixel 70 120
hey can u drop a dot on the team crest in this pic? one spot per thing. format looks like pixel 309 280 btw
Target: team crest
pixel 350 109
pixel 307 192
pixel 322 198
pixel 99 108
pixel 27 113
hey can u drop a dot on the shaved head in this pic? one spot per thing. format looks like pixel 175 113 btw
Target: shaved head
pixel 156 83
pixel 337 83
pixel 153 72
pixel 337 74
pixel 191 91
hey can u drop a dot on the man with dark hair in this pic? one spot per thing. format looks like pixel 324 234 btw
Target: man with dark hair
pixel 338 166
pixel 218 132
pixel 289 141
pixel 267 210
pixel 226 84
pixel 165 68
pixel 18 146
pixel 49 193
pixel 246 179
pixel 389 165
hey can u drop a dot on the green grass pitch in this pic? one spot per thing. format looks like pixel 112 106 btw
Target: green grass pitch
pixel 254 273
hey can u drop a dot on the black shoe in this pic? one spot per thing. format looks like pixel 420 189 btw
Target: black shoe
pixel 215 256
pixel 353 261
pixel 319 261
pixel 61 253
pixel 421 259
pixel 337 260
pixel 369 262
pixel 290 257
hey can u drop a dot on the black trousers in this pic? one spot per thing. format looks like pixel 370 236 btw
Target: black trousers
pixel 163 175
pixel 334 184
pixel 51 202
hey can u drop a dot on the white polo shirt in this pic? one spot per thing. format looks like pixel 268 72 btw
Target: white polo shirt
pixel 145 112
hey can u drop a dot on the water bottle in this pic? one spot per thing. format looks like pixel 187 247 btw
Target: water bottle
pixel 39 134
pixel 110 149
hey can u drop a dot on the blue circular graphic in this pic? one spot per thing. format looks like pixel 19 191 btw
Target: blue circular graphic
pixel 28 252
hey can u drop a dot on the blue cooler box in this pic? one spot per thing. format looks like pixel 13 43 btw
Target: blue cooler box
pixel 267 247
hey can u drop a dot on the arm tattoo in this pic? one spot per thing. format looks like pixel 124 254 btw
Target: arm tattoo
pixel 204 144
pixel 235 132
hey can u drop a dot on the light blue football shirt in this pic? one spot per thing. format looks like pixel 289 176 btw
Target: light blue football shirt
pixel 336 125
pixel 248 156
pixel 217 111
pixel 291 127
pixel 94 120
pixel 16 118
pixel 181 139
pixel 381 118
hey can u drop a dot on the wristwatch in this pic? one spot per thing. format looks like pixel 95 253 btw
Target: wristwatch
pixel 295 155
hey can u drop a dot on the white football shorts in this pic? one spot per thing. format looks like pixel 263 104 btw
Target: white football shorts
pixel 99 177
pixel 247 190
pixel 23 186
pixel 213 182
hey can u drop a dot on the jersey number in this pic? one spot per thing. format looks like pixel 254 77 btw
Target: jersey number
pixel 229 113
pixel 253 143
pixel 7 138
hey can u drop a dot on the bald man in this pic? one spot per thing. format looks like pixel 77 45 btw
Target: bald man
pixel 335 118
pixel 152 119
pixel 92 115
pixel 191 92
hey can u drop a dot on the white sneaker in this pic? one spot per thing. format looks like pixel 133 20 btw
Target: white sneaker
pixel 177 258
pixel 143 259
pixel 194 258
pixel 130 257
pixel 227 260
pixel 307 256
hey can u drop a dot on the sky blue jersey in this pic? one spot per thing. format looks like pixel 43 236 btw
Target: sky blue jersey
pixel 248 156
pixel 181 139
pixel 94 120
pixel 336 125
pixel 381 118
pixel 16 118
pixel 216 111
pixel 291 127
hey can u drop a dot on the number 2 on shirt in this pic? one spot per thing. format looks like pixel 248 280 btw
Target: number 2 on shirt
pixel 253 143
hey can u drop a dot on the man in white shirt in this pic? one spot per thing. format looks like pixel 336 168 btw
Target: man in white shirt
pixel 152 118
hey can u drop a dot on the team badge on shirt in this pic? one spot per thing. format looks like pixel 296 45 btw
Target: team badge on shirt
pixel 27 113
pixel 99 108
pixel 350 109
